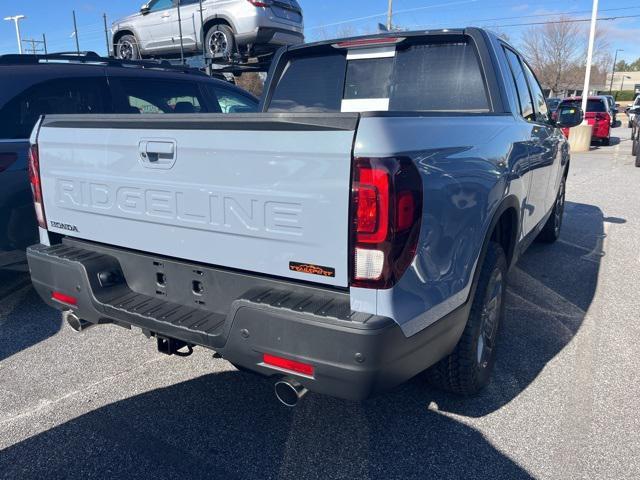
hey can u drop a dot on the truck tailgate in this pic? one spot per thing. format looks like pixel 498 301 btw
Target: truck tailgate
pixel 264 193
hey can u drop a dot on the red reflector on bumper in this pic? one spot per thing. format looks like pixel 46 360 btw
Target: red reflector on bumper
pixel 287 364
pixel 61 297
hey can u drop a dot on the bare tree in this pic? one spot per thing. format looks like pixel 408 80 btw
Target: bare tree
pixel 553 50
pixel 557 52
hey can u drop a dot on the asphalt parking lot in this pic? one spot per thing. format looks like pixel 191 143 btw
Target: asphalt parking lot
pixel 563 404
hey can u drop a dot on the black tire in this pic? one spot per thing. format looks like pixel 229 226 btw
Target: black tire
pixel 127 48
pixel 606 141
pixel 637 157
pixel 220 40
pixel 634 147
pixel 467 370
pixel 551 230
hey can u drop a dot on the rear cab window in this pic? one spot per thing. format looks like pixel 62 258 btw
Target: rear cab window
pixel 593 105
pixel 418 74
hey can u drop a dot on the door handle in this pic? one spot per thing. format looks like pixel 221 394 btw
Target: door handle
pixel 160 148
pixel 157 153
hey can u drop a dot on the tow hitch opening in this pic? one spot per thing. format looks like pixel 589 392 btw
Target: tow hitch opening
pixel 171 346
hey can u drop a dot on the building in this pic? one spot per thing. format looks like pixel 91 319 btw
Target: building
pixel 624 81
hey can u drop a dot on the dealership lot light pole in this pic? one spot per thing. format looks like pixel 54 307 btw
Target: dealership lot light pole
pixel 16 20
pixel 613 71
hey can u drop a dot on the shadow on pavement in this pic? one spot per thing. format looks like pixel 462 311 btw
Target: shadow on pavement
pixel 550 291
pixel 22 324
pixel 228 425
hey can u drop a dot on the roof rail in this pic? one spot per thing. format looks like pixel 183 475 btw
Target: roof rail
pixel 94 58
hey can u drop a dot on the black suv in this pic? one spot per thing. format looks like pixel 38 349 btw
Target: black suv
pixel 31 86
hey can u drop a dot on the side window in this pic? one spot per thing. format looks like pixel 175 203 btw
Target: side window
pixel 61 96
pixel 540 104
pixel 158 5
pixel 233 102
pixel 524 96
pixel 145 95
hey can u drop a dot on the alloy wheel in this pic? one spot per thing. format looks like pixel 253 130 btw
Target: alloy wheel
pixel 490 319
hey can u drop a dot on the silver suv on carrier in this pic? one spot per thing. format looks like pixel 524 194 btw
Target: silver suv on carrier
pixel 246 27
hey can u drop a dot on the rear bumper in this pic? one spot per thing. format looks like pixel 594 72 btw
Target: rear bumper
pixel 270 37
pixel 601 129
pixel 354 355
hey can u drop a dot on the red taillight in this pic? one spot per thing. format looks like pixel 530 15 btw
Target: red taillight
pixel 260 3
pixel 287 364
pixel 373 205
pixel 387 208
pixel 36 185
pixel 64 298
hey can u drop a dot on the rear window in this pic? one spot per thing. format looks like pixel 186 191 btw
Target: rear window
pixel 420 77
pixel 592 105
pixel 311 84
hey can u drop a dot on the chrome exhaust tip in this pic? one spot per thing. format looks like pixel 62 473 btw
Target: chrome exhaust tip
pixel 76 324
pixel 289 391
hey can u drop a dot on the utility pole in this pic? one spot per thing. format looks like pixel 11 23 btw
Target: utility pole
pixel 203 35
pixel 180 32
pixel 390 16
pixel 587 74
pixel 35 45
pixel 16 20
pixel 75 32
pixel 44 44
pixel 613 70
pixel 106 33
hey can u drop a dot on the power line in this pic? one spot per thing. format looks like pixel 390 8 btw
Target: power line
pixel 576 20
pixel 384 14
pixel 537 15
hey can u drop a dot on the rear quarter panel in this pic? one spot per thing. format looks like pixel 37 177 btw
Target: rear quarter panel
pixel 469 165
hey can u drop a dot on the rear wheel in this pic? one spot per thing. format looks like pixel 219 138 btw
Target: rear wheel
pixel 220 41
pixel 637 157
pixel 468 369
pixel 634 146
pixel 127 48
pixel 606 141
pixel 551 230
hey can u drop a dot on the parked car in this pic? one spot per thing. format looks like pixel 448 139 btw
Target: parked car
pixel 31 86
pixel 597 115
pixel 354 234
pixel 632 111
pixel 245 27
pixel 613 108
pixel 636 145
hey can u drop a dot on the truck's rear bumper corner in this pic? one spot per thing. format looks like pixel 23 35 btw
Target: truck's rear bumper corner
pixel 350 360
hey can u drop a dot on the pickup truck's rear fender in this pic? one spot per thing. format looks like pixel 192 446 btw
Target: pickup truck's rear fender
pixel 473 169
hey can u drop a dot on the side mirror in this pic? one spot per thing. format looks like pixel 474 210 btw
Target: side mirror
pixel 568 117
pixel 144 9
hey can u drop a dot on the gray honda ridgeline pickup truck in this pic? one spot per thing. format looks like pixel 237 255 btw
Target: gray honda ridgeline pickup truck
pixel 355 233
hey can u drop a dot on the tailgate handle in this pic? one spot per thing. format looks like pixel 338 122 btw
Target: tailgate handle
pixel 158 153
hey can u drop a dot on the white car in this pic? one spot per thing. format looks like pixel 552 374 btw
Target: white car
pixel 228 27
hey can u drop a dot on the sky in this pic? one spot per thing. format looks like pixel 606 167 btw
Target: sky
pixel 330 18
